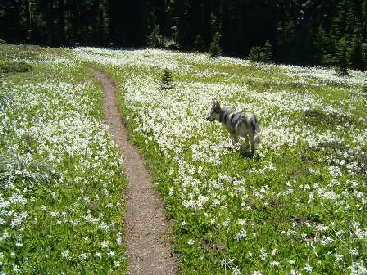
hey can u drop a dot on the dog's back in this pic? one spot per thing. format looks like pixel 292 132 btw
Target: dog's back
pixel 240 122
pixel 248 124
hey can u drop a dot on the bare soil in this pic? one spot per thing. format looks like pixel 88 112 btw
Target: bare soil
pixel 147 230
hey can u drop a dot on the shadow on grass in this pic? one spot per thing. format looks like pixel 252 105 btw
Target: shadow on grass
pixel 243 152
pixel 246 154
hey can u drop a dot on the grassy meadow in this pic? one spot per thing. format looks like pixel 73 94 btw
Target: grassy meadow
pixel 61 183
pixel 297 207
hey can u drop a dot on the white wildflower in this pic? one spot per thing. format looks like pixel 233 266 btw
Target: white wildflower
pixel 308 268
pixel 191 242
pixel 65 254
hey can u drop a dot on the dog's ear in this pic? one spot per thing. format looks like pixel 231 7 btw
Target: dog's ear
pixel 216 104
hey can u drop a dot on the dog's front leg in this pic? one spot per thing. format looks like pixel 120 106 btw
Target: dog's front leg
pixel 234 139
pixel 253 144
pixel 247 143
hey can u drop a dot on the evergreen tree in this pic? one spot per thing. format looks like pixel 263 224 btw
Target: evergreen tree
pixel 364 54
pixel 166 80
pixel 155 39
pixel 198 43
pixel 215 50
pixel 300 31
pixel 342 58
pixel 264 54
pixel 267 52
pixel 356 54
pixel 321 45
pixel 255 54
pixel 285 35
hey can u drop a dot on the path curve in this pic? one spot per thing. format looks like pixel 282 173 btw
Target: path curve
pixel 146 228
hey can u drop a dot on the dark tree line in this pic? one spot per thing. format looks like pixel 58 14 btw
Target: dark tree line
pixel 300 31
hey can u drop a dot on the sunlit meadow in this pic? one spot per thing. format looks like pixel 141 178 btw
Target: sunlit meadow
pixel 61 180
pixel 297 207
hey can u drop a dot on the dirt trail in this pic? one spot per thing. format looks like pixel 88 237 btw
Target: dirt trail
pixel 146 227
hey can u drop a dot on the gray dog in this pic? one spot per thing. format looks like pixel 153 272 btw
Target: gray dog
pixel 238 124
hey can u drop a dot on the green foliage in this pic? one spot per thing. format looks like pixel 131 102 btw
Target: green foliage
pixel 356 57
pixel 215 49
pixel 170 44
pixel 14 67
pixel 199 44
pixel 166 80
pixel 364 53
pixel 155 39
pixel 264 54
pixel 267 52
pixel 321 43
pixel 286 30
pixel 2 41
pixel 342 57
pixel 307 37
pixel 255 54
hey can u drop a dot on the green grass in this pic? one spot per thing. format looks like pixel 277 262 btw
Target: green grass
pixel 61 179
pixel 298 205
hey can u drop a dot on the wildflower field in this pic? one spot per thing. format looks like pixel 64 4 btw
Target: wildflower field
pixel 61 181
pixel 298 206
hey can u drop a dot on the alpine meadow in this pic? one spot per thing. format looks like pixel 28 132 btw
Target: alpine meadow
pixel 298 206
pixel 61 182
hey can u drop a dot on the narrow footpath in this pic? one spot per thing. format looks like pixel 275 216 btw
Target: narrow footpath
pixel 146 228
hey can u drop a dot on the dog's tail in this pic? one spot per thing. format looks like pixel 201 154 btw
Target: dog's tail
pixel 256 129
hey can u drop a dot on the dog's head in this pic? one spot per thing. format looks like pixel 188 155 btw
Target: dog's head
pixel 214 112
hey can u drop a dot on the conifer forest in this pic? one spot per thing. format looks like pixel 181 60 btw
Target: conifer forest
pixel 306 32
